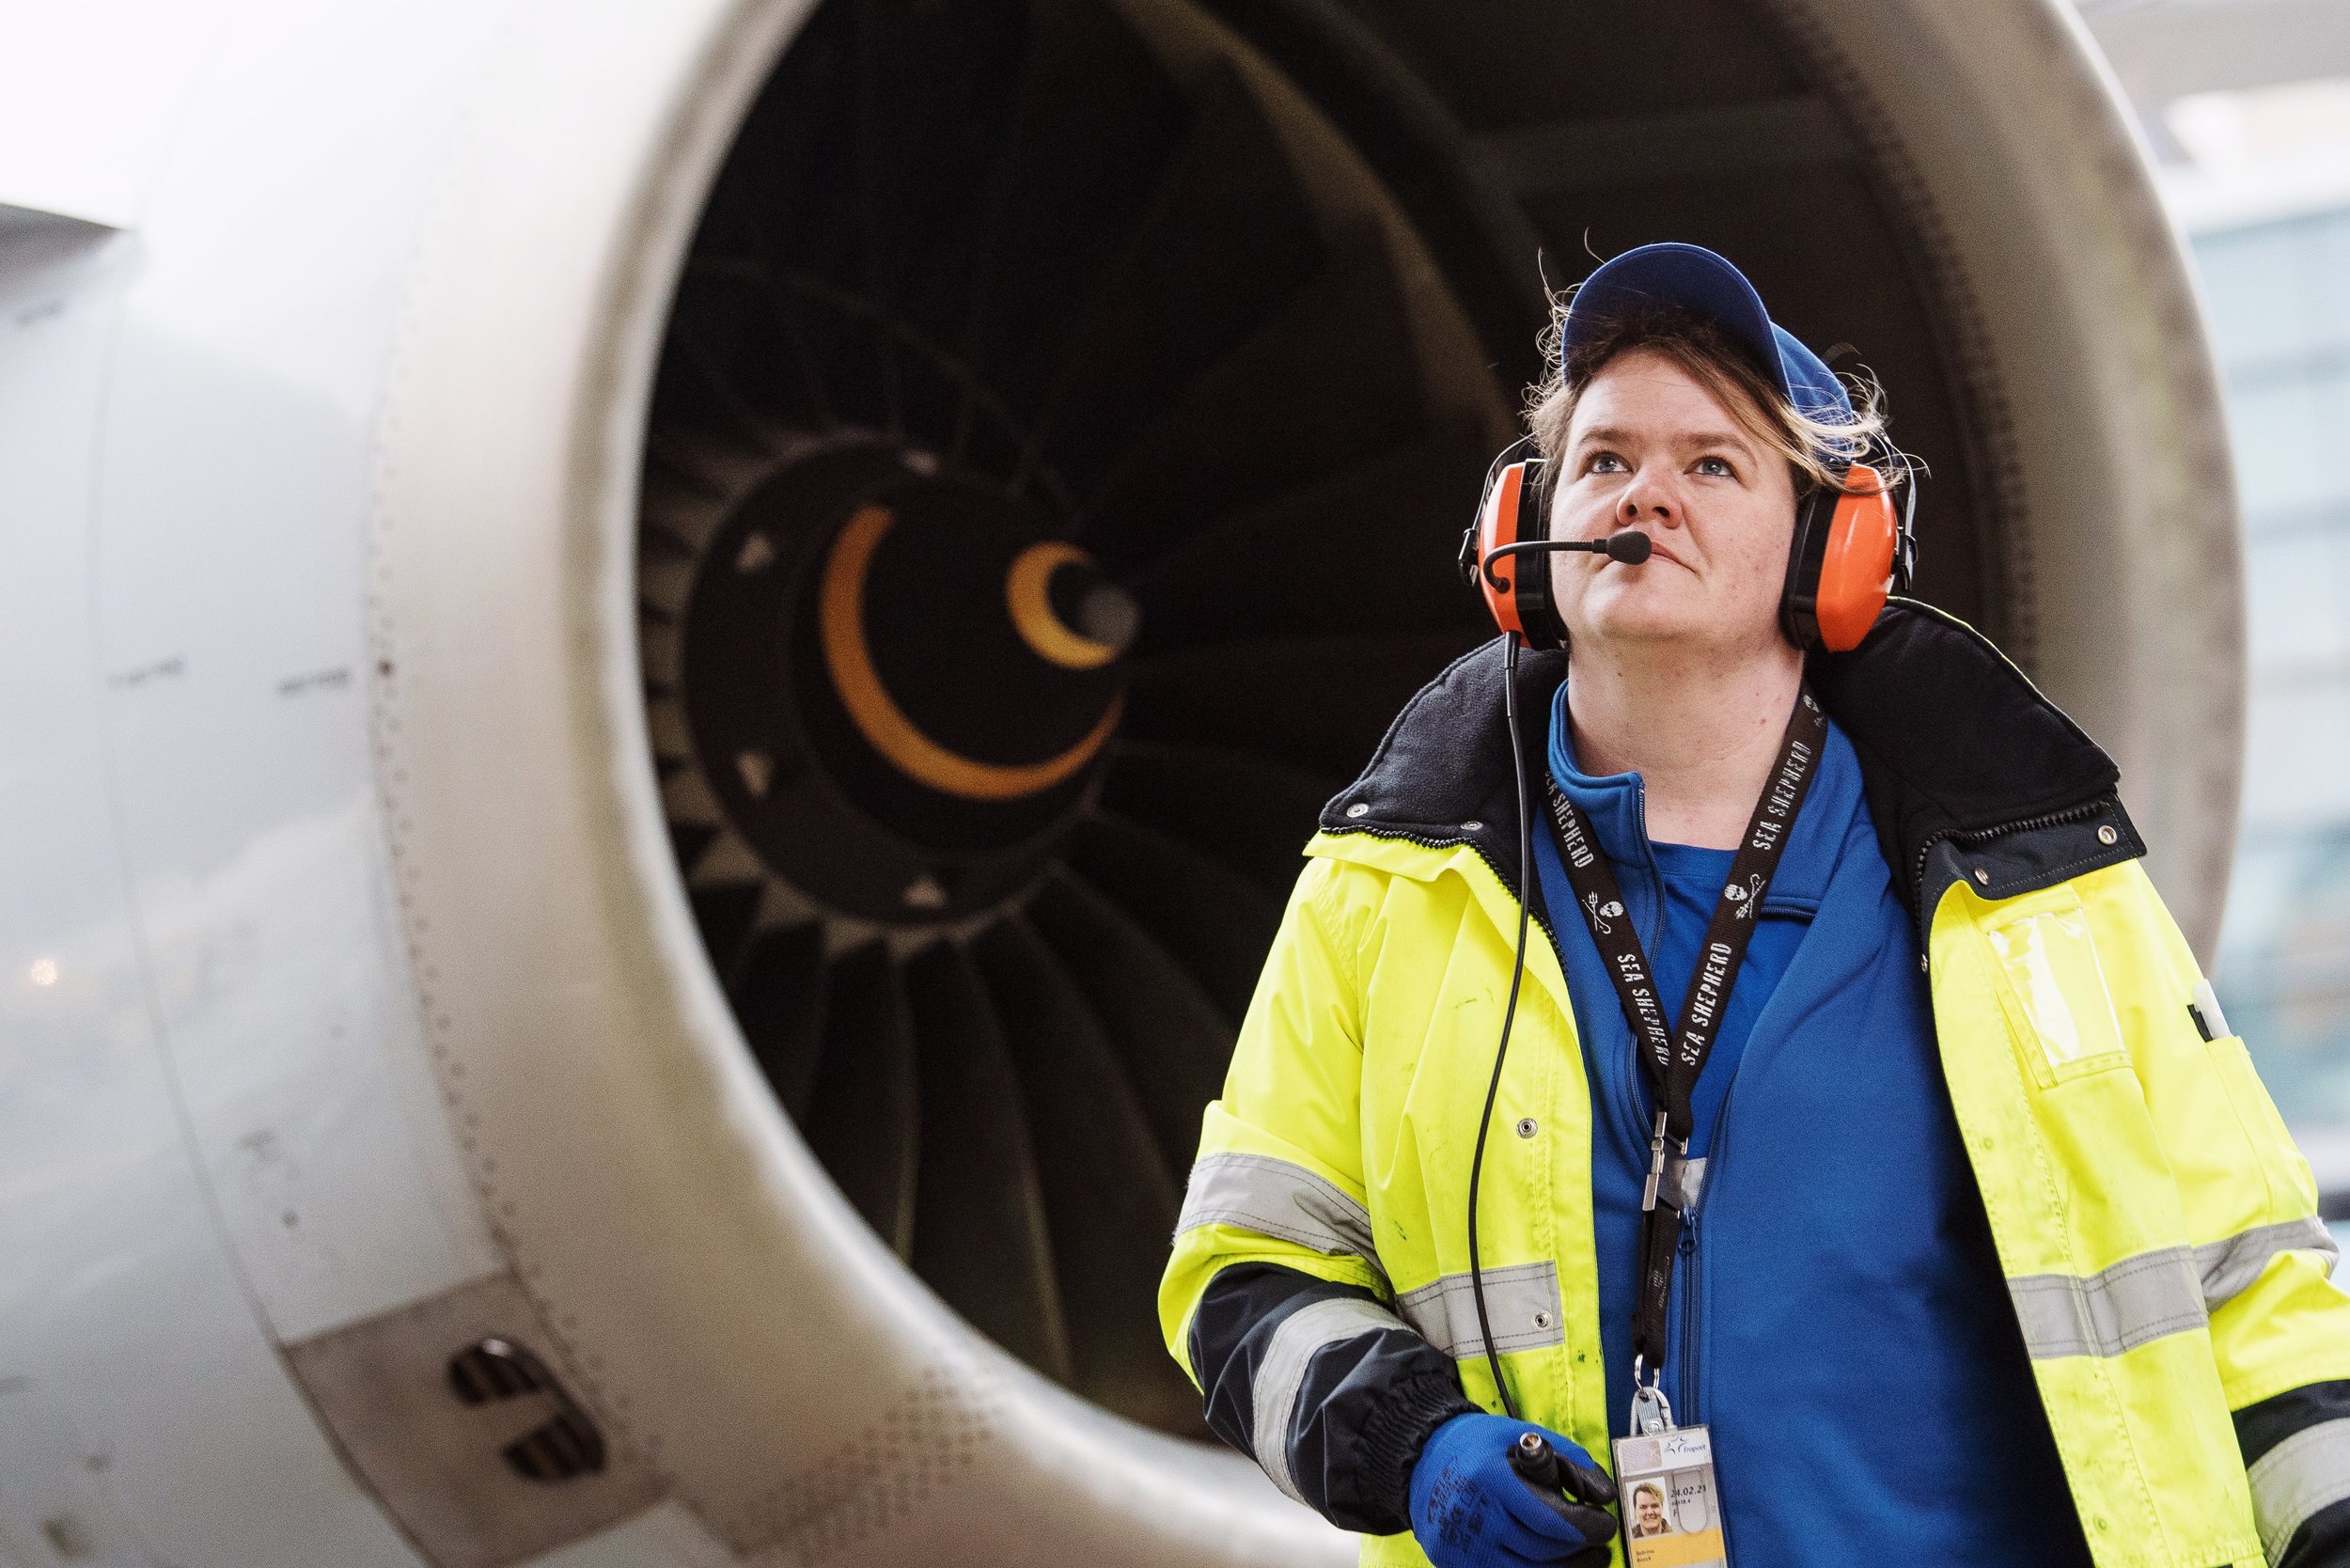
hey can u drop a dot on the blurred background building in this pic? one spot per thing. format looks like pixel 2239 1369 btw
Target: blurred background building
pixel 2247 106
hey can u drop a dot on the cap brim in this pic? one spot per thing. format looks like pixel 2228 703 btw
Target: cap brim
pixel 1673 273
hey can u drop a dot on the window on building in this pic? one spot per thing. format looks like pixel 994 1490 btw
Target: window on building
pixel 2278 294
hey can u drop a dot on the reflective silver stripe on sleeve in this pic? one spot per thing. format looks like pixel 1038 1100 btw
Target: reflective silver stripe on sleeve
pixel 1278 1198
pixel 1274 1396
pixel 2136 1301
pixel 2231 1266
pixel 1522 1300
pixel 2304 1473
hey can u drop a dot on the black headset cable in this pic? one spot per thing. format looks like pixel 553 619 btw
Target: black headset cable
pixel 1509 1013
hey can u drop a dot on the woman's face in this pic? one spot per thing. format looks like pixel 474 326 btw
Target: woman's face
pixel 1651 449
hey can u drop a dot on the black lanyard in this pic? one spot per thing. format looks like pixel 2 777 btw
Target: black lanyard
pixel 1673 1059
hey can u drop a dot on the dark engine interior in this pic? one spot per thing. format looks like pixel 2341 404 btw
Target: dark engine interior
pixel 1064 430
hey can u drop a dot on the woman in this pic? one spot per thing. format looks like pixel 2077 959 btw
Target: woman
pixel 1648 1512
pixel 1974 1238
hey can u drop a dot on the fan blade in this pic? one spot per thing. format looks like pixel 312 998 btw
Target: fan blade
pixel 791 202
pixel 675 511
pixel 1167 1034
pixel 1348 550
pixel 1109 1197
pixel 738 313
pixel 687 840
pixel 1318 704
pixel 1097 120
pixel 1249 813
pixel 1228 241
pixel 699 390
pixel 780 1001
pixel 1217 922
pixel 726 912
pixel 980 1226
pixel 665 578
pixel 939 96
pixel 863 1121
pixel 1326 384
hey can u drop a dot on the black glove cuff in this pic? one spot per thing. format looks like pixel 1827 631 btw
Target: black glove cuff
pixel 1393 1433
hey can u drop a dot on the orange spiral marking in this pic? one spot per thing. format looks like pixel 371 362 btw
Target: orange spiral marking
pixel 841 619
pixel 1031 607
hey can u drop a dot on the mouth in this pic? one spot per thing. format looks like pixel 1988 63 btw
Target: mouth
pixel 1659 551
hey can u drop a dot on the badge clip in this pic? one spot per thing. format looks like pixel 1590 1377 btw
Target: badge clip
pixel 1652 1412
pixel 1655 1167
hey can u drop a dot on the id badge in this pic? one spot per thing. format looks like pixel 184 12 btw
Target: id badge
pixel 1672 1513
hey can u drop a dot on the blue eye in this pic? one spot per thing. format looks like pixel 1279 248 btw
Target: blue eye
pixel 1718 467
pixel 1604 463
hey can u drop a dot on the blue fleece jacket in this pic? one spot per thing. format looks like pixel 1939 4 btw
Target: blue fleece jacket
pixel 1839 1316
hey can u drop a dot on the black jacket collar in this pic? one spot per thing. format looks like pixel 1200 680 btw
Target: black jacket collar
pixel 1970 771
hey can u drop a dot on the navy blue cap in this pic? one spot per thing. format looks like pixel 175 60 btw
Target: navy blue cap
pixel 1698 280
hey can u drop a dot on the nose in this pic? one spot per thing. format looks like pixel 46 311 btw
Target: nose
pixel 1647 500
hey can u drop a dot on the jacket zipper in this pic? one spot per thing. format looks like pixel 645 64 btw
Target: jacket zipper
pixel 1690 1409
pixel 1689 1286
pixel 1983 834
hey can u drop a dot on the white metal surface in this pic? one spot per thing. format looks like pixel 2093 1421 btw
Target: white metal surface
pixel 215 1131
pixel 138 1387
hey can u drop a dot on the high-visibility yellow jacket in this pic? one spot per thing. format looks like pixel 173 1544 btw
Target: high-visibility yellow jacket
pixel 2157 1229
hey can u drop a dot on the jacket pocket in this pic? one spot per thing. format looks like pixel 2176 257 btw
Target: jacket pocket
pixel 2291 1190
pixel 2053 987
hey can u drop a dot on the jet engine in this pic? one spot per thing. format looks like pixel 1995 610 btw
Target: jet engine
pixel 666 665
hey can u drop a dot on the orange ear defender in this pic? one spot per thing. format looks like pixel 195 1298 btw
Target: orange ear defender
pixel 1514 510
pixel 1850 553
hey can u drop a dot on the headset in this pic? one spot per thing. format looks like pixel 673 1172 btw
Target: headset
pixel 1850 553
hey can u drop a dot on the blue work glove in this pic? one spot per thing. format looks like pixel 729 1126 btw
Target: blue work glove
pixel 1481 1499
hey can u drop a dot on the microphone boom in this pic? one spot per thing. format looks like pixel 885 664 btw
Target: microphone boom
pixel 1628 548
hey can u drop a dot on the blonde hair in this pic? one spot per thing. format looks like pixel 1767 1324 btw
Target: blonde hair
pixel 1817 450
